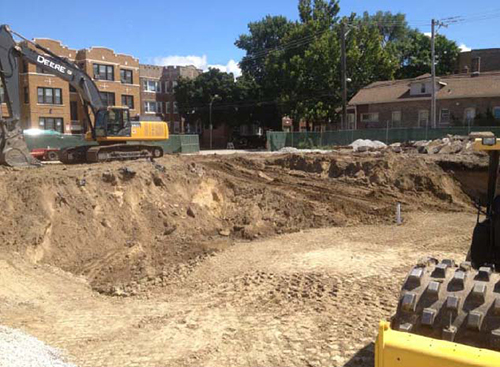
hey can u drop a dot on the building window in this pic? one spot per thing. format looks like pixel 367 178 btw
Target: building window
pixel 26 95
pixel 151 86
pixel 49 95
pixel 469 114
pixel 396 116
pixel 2 97
pixel 128 101
pixel 369 117
pixel 51 123
pixel 104 72
pixel 108 98
pixel 423 88
pixel 174 85
pixel 423 117
pixel 73 110
pixel 25 66
pixel 152 107
pixel 72 89
pixel 176 108
pixel 167 107
pixel 126 76
pixel 496 113
pixel 445 116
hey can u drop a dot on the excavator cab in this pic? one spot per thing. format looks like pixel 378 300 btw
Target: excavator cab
pixel 112 121
pixel 449 313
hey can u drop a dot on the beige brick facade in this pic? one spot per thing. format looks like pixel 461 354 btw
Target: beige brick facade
pixel 65 114
pixel 35 113
pixel 166 77
pixel 96 57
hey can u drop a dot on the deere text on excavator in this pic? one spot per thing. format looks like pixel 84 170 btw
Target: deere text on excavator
pixel 118 136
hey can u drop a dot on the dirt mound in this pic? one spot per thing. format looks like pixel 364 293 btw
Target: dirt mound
pixel 127 227
pixel 403 177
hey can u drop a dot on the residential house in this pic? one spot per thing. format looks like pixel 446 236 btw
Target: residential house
pixel 461 99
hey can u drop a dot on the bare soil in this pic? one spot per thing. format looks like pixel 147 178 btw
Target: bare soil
pixel 282 260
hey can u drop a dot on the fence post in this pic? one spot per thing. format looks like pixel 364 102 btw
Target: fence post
pixel 387 133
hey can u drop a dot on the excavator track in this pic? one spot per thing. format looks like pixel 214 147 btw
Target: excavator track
pixel 107 153
pixel 457 303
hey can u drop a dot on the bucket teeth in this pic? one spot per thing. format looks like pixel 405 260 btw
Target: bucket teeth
pixel 465 265
pixel 458 280
pixel 484 274
pixel 433 288
pixel 448 262
pixel 407 327
pixel 495 339
pixel 409 302
pixel 496 307
pixel 415 278
pixel 449 333
pixel 428 316
pixel 479 292
pixel 452 303
pixel 440 270
pixel 475 320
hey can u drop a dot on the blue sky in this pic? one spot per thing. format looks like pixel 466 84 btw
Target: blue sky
pixel 203 33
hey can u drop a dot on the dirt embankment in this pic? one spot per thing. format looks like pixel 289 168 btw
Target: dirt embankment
pixel 129 226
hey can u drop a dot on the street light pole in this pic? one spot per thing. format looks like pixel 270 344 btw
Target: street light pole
pixel 210 117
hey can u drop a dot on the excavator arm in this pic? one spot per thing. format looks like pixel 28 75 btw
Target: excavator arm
pixel 13 149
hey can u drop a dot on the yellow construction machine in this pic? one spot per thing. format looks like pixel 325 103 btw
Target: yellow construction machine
pixel 449 314
pixel 118 136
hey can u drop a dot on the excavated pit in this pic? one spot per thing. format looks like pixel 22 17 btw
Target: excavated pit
pixel 129 226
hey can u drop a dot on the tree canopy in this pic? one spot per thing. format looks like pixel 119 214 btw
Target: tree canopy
pixel 293 67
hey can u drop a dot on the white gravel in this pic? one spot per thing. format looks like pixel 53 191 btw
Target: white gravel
pixel 366 144
pixel 18 349
pixel 292 150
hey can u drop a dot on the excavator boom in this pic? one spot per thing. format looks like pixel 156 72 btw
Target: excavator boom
pixel 13 149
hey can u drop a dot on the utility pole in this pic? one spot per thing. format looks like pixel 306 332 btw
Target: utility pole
pixel 433 71
pixel 436 24
pixel 344 75
pixel 210 118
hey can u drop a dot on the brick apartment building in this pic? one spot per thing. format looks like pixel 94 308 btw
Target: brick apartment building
pixel 157 93
pixel 461 99
pixel 49 103
pixel 482 60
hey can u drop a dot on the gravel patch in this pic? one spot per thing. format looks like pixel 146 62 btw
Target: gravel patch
pixel 18 349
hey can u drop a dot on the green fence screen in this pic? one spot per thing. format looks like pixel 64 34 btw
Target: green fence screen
pixel 306 140
pixel 175 144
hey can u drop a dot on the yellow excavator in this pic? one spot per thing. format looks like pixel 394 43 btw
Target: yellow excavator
pixel 117 136
pixel 449 314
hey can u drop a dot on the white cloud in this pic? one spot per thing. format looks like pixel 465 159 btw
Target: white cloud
pixel 428 34
pixel 464 48
pixel 201 62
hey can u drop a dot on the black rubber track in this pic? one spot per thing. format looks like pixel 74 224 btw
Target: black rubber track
pixel 443 300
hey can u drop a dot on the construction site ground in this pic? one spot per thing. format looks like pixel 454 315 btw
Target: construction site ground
pixel 261 260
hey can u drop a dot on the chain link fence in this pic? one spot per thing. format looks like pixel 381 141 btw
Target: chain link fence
pixel 277 140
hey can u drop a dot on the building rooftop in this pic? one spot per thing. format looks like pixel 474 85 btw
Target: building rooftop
pixel 452 87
